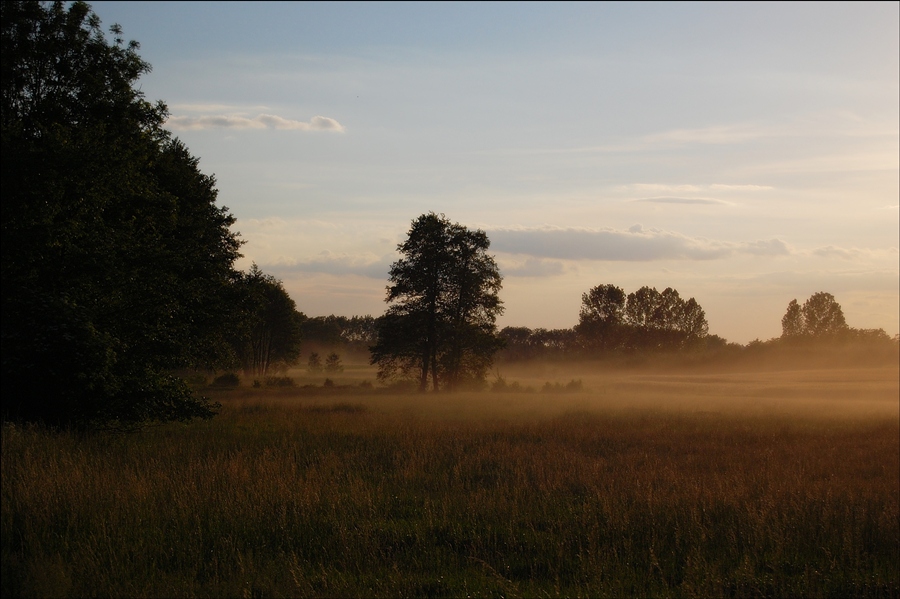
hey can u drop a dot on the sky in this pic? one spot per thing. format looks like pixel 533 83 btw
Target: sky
pixel 744 154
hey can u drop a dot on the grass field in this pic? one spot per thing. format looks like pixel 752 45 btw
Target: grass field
pixel 763 484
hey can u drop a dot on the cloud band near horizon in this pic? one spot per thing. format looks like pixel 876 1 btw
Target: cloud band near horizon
pixel 635 245
pixel 262 121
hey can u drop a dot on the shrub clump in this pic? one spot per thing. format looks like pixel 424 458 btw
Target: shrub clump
pixel 229 379
pixel 501 386
pixel 279 381
pixel 570 387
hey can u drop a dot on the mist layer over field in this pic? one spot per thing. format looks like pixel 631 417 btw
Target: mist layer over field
pixel 638 483
pixel 535 390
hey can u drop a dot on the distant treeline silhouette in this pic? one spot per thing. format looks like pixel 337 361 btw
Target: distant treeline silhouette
pixel 648 322
pixel 353 334
pixel 645 323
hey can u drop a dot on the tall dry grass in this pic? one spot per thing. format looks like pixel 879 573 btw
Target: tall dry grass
pixel 470 495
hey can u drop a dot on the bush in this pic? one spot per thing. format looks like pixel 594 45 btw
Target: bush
pixel 501 386
pixel 570 387
pixel 279 381
pixel 229 379
pixel 196 379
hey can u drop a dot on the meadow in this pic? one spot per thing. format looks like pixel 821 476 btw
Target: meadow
pixel 642 483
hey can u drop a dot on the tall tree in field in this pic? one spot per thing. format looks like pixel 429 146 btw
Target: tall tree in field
pixel 116 259
pixel 444 294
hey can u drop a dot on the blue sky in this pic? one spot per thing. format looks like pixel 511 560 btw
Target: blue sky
pixel 744 154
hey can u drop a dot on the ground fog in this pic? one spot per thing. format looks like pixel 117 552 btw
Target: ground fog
pixel 606 482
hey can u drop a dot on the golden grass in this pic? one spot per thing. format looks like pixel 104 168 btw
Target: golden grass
pixel 686 485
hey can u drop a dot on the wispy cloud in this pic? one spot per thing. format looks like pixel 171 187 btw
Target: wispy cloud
pixel 532 267
pixel 337 264
pixel 376 267
pixel 885 159
pixel 262 121
pixel 718 135
pixel 854 253
pixel 672 193
pixel 691 188
pixel 835 281
pixel 218 108
pixel 721 187
pixel 662 188
pixel 635 245
pixel 670 200
pixel 836 252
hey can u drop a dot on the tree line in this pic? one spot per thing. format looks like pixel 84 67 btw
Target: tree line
pixel 353 334
pixel 611 322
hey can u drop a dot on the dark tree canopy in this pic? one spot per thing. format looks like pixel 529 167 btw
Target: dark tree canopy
pixel 268 335
pixel 645 319
pixel 793 324
pixel 442 323
pixel 823 316
pixel 820 317
pixel 116 259
pixel 600 321
pixel 327 333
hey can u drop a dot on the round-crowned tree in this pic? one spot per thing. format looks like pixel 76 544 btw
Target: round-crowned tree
pixel 444 297
pixel 820 317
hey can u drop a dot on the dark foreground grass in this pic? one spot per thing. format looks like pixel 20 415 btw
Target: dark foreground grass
pixel 277 500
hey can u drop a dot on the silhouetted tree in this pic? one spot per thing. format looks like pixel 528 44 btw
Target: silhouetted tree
pixel 518 344
pixel 356 333
pixel 555 343
pixel 821 317
pixel 601 318
pixel 691 322
pixel 323 331
pixel 522 343
pixel 360 330
pixel 117 263
pixel 793 325
pixel 663 320
pixel 269 334
pixel 445 293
